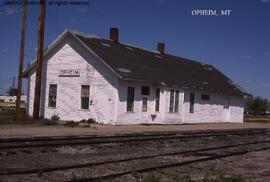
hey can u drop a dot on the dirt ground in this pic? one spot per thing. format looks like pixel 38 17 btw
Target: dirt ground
pixel 9 131
pixel 251 166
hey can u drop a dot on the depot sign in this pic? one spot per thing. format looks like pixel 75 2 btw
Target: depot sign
pixel 69 73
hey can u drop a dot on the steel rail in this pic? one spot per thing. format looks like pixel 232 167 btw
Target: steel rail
pixel 93 164
pixel 153 133
pixel 158 167
pixel 126 139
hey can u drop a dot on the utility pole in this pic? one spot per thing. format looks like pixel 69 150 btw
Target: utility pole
pixel 40 56
pixel 20 70
pixel 13 83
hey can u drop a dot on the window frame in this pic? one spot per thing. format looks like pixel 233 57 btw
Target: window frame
pixel 50 95
pixel 174 101
pixel 157 100
pixel 191 102
pixel 130 100
pixel 87 104
pixel 144 104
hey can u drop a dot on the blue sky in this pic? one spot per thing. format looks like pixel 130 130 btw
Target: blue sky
pixel 238 45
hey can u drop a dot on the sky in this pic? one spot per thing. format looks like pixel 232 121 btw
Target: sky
pixel 237 44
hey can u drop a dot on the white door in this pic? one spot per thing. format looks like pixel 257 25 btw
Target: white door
pixel 145 109
pixel 226 109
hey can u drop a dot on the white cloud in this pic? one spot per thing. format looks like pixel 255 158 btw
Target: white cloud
pixel 10 11
pixel 265 85
pixel 3 50
pixel 246 57
pixel 234 59
pixel 267 53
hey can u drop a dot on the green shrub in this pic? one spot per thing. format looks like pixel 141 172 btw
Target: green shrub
pixel 71 123
pixel 47 122
pixel 83 121
pixel 55 117
pixel 91 121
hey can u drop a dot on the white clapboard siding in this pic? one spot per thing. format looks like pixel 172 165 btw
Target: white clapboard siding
pixel 214 110
pixel 102 93
pixel 137 116
pixel 108 94
pixel 174 117
pixel 30 94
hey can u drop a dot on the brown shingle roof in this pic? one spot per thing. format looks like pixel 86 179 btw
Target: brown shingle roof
pixel 133 63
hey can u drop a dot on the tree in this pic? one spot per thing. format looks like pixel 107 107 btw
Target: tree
pixel 12 91
pixel 256 105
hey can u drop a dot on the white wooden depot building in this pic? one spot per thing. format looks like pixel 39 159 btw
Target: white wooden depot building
pixel 85 76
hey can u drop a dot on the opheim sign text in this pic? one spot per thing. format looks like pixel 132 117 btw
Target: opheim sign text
pixel 69 73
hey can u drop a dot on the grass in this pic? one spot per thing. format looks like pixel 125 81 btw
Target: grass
pixel 211 176
pixel 257 119
pixel 9 117
pixel 71 124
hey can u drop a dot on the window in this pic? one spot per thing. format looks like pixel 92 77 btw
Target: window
pixel 85 89
pixel 174 101
pixel 176 104
pixel 191 106
pixel 145 90
pixel 144 104
pixel 171 100
pixel 157 99
pixel 52 95
pixel 205 97
pixel 130 99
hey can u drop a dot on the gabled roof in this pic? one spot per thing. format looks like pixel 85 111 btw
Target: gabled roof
pixel 133 63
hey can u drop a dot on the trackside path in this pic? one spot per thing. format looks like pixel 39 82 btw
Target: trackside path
pixel 15 131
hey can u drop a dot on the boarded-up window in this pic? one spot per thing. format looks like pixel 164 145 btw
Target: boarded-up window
pixel 130 99
pixel 144 104
pixel 52 95
pixel 157 99
pixel 85 90
pixel 191 103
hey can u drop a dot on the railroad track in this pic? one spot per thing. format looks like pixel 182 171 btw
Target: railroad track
pixel 200 155
pixel 16 143
pixel 159 167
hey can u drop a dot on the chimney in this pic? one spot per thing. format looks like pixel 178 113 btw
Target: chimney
pixel 114 34
pixel 161 47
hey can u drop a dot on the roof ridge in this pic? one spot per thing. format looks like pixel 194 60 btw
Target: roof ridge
pixel 87 35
